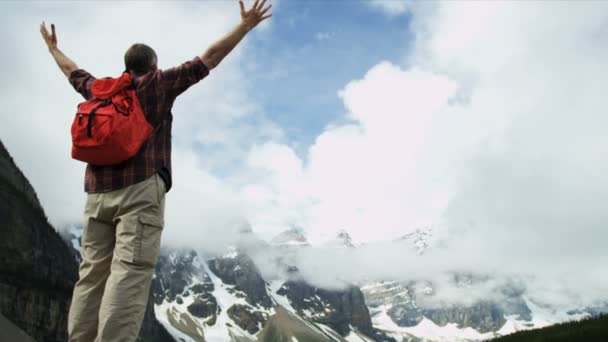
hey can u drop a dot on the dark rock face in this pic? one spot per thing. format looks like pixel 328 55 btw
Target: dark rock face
pixel 151 330
pixel 202 288
pixel 246 318
pixel 242 272
pixel 482 316
pixel 175 271
pixel 405 315
pixel 37 270
pixel 286 327
pixel 514 304
pixel 337 309
pixel 205 306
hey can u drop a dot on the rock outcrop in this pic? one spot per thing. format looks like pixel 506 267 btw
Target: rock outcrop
pixel 37 270
pixel 241 271
pixel 339 309
pixel 483 316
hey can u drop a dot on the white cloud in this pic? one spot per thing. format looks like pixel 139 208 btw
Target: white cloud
pixel 383 169
pixel 370 170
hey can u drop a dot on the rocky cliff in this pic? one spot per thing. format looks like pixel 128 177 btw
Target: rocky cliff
pixel 37 270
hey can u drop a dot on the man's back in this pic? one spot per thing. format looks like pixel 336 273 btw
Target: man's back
pixel 156 91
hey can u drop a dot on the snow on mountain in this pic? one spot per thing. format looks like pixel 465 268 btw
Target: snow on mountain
pixel 72 234
pixel 225 300
pixel 273 289
pixel 419 239
pixel 428 330
pixel 290 238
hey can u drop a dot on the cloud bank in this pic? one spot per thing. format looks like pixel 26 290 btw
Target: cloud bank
pixel 491 132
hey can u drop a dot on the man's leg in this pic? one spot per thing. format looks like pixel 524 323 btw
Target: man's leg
pixel 97 248
pixel 139 225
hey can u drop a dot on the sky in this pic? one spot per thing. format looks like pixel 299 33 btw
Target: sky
pixel 482 120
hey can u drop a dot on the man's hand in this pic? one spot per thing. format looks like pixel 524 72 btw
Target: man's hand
pixel 257 14
pixel 65 64
pixel 49 39
pixel 249 19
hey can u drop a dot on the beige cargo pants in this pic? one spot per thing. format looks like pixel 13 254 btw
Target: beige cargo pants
pixel 120 244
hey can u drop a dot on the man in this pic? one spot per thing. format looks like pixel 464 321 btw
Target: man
pixel 124 211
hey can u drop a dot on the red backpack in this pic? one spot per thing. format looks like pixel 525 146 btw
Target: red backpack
pixel 110 127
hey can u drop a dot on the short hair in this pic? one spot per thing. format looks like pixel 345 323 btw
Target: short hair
pixel 140 58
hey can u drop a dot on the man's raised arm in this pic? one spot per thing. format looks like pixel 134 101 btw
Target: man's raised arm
pixel 65 64
pixel 249 19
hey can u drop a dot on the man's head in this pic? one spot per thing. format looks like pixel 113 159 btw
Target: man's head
pixel 140 59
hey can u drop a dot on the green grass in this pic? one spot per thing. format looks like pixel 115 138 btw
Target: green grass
pixel 586 330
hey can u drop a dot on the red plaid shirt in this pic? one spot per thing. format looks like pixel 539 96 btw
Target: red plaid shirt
pixel 156 92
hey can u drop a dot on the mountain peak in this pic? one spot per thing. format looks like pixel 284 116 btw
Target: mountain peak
pixel 344 236
pixel 342 239
pixel 290 237
pixel 419 239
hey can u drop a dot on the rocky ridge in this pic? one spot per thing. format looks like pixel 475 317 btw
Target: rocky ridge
pixel 37 271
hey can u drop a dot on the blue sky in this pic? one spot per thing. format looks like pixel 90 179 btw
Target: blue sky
pixel 312 51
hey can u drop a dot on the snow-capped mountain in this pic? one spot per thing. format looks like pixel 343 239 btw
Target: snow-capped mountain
pixel 226 299
pixel 419 239
pixel 200 297
pixel 290 238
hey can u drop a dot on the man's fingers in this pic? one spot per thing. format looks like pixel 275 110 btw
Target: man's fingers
pixel 255 4
pixel 260 5
pixel 45 33
pixel 53 30
pixel 266 9
pixel 266 17
pixel 242 7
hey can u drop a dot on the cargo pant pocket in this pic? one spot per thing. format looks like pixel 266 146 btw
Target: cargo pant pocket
pixel 149 243
pixel 138 241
